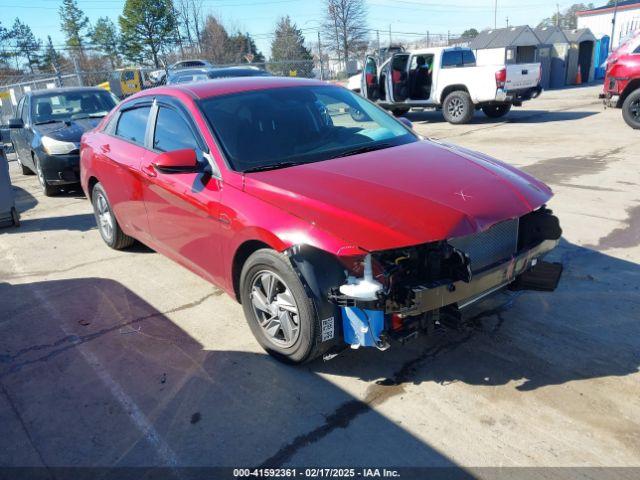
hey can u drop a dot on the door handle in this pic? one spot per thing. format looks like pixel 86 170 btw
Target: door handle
pixel 148 170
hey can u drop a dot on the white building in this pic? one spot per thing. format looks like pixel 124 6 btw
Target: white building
pixel 599 20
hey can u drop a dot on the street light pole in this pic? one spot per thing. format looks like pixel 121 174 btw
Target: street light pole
pixel 613 24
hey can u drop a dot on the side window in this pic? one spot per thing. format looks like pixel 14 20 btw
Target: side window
pixel 452 59
pixel 132 124
pixel 172 132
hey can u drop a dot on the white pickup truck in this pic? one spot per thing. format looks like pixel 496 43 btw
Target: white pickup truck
pixel 447 78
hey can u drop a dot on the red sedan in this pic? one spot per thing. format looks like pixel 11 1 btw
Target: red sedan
pixel 333 223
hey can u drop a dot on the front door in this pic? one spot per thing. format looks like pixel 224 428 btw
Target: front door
pixel 370 86
pixel 182 208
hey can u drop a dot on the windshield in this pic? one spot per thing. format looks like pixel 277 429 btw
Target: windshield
pixel 71 106
pixel 281 127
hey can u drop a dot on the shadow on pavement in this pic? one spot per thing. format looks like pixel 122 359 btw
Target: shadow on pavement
pixel 82 222
pixel 24 200
pixel 101 377
pixel 515 116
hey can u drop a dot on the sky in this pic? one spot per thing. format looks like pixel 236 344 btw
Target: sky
pixel 408 19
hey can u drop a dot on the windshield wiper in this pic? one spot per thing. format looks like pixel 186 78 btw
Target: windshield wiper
pixel 364 149
pixel 44 122
pixel 271 166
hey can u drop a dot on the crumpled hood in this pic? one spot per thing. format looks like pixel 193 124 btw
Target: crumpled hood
pixel 68 132
pixel 406 195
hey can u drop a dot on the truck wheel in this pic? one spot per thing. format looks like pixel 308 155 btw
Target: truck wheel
pixel 108 226
pixel 496 110
pixel 458 108
pixel 398 112
pixel 277 308
pixel 631 109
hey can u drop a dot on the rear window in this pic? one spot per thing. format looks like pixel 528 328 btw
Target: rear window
pixel 132 124
pixel 458 58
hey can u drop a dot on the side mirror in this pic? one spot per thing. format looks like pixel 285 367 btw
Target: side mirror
pixel 178 161
pixel 406 122
pixel 16 123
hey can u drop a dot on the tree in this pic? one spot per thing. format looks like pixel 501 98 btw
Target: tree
pixel 214 41
pixel 27 45
pixel 242 49
pixel 345 25
pixel 106 39
pixel 567 20
pixel 191 18
pixel 147 28
pixel 74 25
pixel 51 59
pixel 470 33
pixel 288 51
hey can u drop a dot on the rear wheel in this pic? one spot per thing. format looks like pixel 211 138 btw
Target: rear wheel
pixel 496 110
pixel 458 108
pixel 108 226
pixel 48 190
pixel 398 112
pixel 279 312
pixel 631 109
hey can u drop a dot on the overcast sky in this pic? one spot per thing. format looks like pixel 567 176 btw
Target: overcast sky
pixel 407 17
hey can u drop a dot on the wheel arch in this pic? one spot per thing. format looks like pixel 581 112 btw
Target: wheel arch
pixel 631 87
pixel 452 88
pixel 92 182
pixel 242 253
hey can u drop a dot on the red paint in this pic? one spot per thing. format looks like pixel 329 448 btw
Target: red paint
pixel 400 196
pixel 623 67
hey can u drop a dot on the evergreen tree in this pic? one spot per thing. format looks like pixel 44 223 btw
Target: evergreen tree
pixel 147 28
pixel 215 41
pixel 74 25
pixel 288 52
pixel 51 59
pixel 105 38
pixel 242 49
pixel 27 45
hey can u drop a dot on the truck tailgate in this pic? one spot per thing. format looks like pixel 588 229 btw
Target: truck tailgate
pixel 524 75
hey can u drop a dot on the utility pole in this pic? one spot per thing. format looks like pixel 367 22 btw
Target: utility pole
pixel 320 57
pixel 77 70
pixel 428 39
pixel 558 15
pixel 613 24
pixel 389 34
pixel 495 14
pixel 507 22
pixel 335 24
pixel 378 41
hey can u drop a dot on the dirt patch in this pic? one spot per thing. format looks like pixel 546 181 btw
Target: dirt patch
pixel 561 169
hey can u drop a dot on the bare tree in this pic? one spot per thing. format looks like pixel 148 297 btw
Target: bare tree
pixel 345 24
pixel 191 16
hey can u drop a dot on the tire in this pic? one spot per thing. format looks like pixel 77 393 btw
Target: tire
pixel 48 190
pixel 458 108
pixel 631 109
pixel 299 345
pixel 108 226
pixel 398 112
pixel 24 170
pixel 15 217
pixel 496 110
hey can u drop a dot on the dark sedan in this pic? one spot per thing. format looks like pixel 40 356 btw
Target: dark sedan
pixel 200 74
pixel 46 133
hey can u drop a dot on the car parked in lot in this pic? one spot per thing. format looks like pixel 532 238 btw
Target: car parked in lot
pixel 332 223
pixel 200 74
pixel 46 133
pixel 622 80
pixel 447 78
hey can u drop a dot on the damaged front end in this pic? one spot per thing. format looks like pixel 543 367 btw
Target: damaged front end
pixel 400 291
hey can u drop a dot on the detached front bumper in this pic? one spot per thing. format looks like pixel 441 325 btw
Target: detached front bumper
pixel 427 298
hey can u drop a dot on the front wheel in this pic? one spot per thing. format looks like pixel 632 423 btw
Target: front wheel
pixel 496 110
pixel 631 109
pixel 48 190
pixel 458 108
pixel 279 312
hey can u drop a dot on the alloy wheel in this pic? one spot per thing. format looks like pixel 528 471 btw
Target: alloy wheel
pixel 275 309
pixel 455 107
pixel 105 219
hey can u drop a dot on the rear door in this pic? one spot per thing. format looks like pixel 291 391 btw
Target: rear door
pixel 182 208
pixel 398 78
pixel 370 86
pixel 522 76
pixel 119 156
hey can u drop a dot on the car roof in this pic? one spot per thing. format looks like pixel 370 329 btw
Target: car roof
pixel 229 85
pixel 56 91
